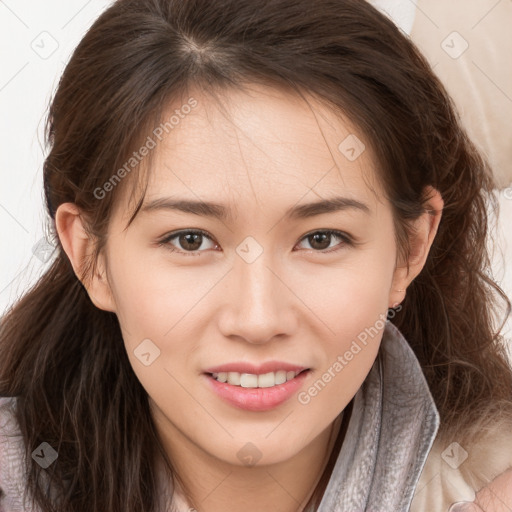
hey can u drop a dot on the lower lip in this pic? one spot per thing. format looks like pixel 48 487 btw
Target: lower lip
pixel 257 399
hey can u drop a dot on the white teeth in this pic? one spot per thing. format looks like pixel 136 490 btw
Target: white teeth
pixel 248 380
pixel 281 377
pixel 234 378
pixel 267 380
pixel 251 380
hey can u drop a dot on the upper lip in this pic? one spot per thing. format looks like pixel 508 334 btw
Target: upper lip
pixel 267 367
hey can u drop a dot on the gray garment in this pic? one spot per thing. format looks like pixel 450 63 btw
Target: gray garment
pixel 392 428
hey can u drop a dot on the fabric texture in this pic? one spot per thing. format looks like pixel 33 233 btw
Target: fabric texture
pixel 389 461
pixel 11 460
pixel 392 428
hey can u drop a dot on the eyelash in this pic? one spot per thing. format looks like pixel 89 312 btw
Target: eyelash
pixel 165 242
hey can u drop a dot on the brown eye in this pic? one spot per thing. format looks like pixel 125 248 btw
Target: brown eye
pixel 321 241
pixel 188 242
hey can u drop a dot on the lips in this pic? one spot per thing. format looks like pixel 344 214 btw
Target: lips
pixel 251 380
pixel 253 397
pixel 267 367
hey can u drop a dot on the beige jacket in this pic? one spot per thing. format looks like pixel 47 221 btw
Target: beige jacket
pixel 469 45
pixel 454 473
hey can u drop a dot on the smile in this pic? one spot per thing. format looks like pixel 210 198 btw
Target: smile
pixel 253 392
pixel 251 380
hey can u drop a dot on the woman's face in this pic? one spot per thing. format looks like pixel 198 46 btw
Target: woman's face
pixel 265 289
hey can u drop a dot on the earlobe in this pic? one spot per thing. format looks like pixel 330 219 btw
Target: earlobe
pixel 78 246
pixel 423 233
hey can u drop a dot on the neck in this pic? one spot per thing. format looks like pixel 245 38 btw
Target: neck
pixel 212 485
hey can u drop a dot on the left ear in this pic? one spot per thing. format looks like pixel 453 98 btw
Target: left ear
pixel 423 231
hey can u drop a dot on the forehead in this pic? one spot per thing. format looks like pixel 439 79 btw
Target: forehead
pixel 267 144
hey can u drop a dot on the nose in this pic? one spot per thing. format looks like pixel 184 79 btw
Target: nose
pixel 258 305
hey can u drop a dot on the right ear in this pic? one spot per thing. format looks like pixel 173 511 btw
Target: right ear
pixel 78 246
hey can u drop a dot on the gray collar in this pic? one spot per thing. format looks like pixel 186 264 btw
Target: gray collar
pixel 391 430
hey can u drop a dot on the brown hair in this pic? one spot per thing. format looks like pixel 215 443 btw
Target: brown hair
pixel 64 359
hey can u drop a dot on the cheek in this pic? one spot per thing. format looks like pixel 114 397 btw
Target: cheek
pixel 149 298
pixel 355 310
pixel 351 297
pixel 348 356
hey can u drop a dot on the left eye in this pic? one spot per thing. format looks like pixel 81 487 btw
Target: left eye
pixel 192 240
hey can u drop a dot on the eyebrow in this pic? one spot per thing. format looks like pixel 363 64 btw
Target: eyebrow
pixel 221 212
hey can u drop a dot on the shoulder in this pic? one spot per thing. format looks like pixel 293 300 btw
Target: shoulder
pixel 455 472
pixel 11 458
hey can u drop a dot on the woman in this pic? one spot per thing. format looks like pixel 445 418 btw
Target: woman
pixel 271 286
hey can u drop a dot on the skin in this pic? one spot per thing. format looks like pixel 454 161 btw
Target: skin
pixel 294 303
pixel 495 497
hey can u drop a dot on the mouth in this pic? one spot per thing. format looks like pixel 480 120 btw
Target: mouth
pixel 252 380
pixel 256 392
